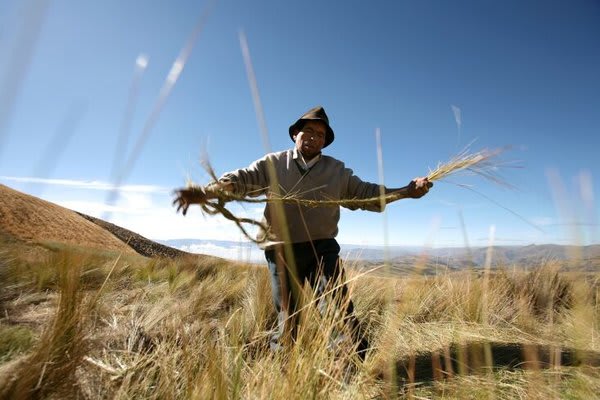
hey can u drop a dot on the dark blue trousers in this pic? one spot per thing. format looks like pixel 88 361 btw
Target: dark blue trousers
pixel 318 264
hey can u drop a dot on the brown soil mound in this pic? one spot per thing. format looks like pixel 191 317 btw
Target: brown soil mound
pixel 34 220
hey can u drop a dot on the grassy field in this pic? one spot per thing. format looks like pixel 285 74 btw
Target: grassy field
pixel 79 323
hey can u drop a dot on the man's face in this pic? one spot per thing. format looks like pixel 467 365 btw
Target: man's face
pixel 310 139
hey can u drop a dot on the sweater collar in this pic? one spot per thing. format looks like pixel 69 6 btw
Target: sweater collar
pixel 307 165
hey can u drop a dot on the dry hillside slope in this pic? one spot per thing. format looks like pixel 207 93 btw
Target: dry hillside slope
pixel 140 244
pixel 33 220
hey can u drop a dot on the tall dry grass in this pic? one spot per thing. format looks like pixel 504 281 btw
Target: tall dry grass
pixel 194 328
pixel 51 366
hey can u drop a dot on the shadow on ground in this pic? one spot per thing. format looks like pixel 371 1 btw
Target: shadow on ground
pixel 478 357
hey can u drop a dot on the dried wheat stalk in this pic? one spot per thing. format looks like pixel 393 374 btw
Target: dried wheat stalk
pixel 483 163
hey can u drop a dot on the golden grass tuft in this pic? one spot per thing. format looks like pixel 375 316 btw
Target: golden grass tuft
pixel 51 366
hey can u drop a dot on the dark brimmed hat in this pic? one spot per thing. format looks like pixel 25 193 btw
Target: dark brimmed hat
pixel 316 113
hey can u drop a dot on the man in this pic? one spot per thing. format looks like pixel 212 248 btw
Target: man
pixel 299 240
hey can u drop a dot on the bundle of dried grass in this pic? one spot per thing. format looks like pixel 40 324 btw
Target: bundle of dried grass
pixel 483 163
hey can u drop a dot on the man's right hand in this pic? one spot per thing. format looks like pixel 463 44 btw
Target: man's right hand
pixel 185 197
pixel 418 187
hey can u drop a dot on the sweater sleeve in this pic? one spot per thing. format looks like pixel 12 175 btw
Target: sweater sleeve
pixel 360 190
pixel 251 181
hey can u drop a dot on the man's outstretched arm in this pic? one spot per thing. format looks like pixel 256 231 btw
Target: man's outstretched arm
pixel 185 197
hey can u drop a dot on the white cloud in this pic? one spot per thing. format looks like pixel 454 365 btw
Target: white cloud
pixel 95 209
pixel 159 222
pixel 91 185
pixel 243 252
pixel 135 201
pixel 543 221
pixel 144 209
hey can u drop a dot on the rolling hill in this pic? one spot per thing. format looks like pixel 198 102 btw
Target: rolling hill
pixel 31 220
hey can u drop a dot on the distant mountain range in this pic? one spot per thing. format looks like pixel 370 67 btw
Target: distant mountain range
pixel 586 257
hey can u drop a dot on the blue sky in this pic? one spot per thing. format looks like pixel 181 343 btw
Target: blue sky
pixel 524 74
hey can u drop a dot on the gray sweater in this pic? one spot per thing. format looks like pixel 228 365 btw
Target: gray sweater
pixel 328 179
